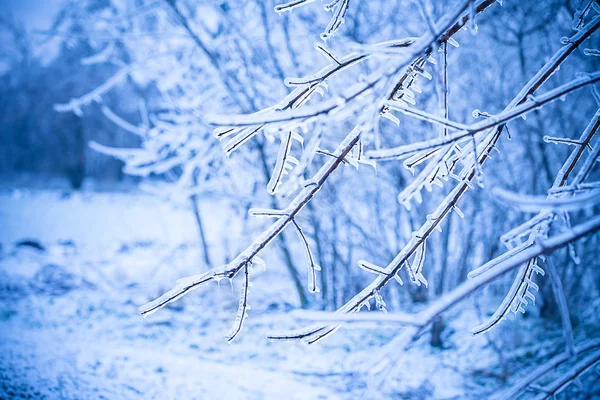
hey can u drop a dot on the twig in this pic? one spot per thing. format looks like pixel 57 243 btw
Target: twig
pixel 230 270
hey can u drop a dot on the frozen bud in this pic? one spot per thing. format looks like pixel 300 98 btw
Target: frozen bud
pixel 591 52
pixel 477 113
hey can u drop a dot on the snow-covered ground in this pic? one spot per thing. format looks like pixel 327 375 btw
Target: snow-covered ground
pixel 69 326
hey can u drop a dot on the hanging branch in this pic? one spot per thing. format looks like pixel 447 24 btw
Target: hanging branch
pixel 539 372
pixel 444 68
pixel 312 267
pixel 296 98
pixel 423 319
pixel 359 300
pixel 75 105
pixel 567 141
pixel 535 203
pixel 515 298
pixel 570 376
pixel 494 121
pixel 341 8
pixel 283 164
pixel 243 307
pixel 284 115
pixel 230 270
pixel 563 307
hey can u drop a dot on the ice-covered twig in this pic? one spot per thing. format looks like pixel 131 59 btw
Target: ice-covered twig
pixel 563 308
pixel 582 11
pixel 568 377
pixel 243 307
pixel 312 266
pixel 580 187
pixel 496 120
pixel 425 116
pixel 266 213
pixel 567 141
pixel 515 298
pixel 536 203
pixel 285 112
pixel 358 301
pixel 525 228
pixel 492 263
pixel 260 242
pixel 283 163
pixel 539 372
pixel 290 5
pixel 424 318
pixel 341 8
pixel 388 48
pixel 240 138
pixel 339 16
pixel 586 168
pixel 75 105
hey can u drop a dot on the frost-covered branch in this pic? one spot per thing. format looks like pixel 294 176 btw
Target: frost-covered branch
pixel 570 376
pixel 259 243
pixel 76 105
pixel 424 318
pixel 563 307
pixel 544 369
pixel 535 203
pixel 520 289
pixel 531 104
pixel 312 265
pixel 243 306
pixel 451 200
pixel 284 163
pixel 285 116
pixel 289 6
pixel 340 8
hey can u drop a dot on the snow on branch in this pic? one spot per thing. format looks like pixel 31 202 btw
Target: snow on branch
pixel 120 122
